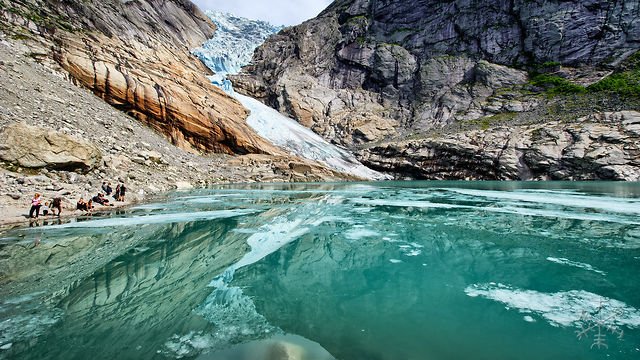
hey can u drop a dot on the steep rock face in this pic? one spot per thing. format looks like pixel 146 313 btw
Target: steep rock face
pixel 135 54
pixel 366 69
pixel 34 147
pixel 366 72
pixel 601 146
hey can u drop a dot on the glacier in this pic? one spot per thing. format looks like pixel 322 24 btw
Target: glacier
pixel 234 42
pixel 226 53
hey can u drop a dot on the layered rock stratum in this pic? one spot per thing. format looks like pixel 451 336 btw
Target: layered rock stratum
pixel 135 55
pixel 367 72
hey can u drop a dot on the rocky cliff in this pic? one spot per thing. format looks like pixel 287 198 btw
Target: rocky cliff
pixel 135 55
pixel 371 71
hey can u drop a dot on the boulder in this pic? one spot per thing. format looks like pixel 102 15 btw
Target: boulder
pixel 38 148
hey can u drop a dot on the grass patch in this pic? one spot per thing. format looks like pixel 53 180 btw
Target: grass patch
pixel 488 122
pixel 624 82
pixel 555 85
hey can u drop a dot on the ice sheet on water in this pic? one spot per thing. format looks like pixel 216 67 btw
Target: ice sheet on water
pixel 509 208
pixel 155 219
pixel 571 200
pixel 565 308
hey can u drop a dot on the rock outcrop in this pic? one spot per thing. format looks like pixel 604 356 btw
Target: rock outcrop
pixel 32 147
pixel 367 71
pixel 135 55
pixel 601 146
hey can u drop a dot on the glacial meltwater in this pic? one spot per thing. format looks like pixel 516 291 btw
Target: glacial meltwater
pixel 370 271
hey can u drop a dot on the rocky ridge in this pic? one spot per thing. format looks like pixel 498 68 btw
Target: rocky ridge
pixel 366 72
pixel 601 146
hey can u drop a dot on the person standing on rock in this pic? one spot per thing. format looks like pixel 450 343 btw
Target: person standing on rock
pixel 56 204
pixel 123 192
pixel 36 202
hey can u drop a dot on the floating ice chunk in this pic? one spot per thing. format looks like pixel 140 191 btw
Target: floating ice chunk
pixel 565 308
pixel 529 319
pixel 563 261
pixel 395 261
pixel 358 233
pixel 413 252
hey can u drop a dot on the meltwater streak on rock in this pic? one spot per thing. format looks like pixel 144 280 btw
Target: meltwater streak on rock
pixel 565 308
pixel 290 135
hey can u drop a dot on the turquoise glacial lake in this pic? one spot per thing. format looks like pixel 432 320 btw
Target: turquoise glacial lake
pixel 355 271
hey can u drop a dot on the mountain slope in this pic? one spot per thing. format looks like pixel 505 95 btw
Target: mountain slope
pixel 135 55
pixel 367 73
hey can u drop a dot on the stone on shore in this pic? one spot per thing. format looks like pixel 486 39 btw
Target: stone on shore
pixel 39 148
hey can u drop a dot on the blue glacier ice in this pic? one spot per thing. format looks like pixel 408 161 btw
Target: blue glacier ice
pixel 234 42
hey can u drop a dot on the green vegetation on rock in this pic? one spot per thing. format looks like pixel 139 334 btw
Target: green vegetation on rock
pixel 624 82
pixel 556 85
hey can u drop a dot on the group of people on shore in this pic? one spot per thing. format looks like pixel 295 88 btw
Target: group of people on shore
pixel 101 197
pixel 38 205
pixel 47 207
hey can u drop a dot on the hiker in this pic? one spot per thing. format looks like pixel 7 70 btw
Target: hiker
pixel 108 189
pixel 56 204
pixel 45 209
pixel 100 199
pixel 104 186
pixel 36 202
pixel 123 192
pixel 82 205
pixel 116 195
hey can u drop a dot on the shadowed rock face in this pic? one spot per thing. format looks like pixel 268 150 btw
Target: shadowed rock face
pixel 135 55
pixel 365 71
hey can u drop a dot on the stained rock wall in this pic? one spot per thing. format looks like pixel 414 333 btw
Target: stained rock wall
pixel 135 55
